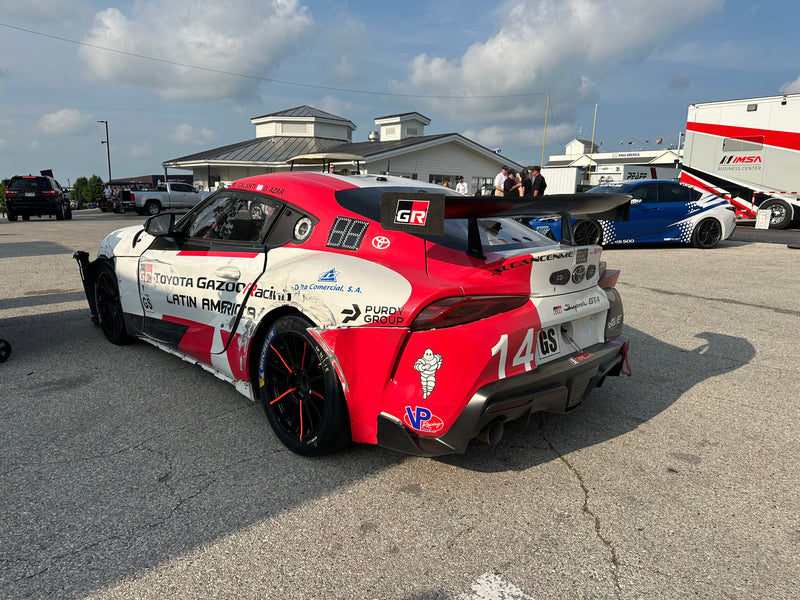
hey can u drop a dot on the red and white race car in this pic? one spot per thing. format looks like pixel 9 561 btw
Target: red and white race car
pixel 370 308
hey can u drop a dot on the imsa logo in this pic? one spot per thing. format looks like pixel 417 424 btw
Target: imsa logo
pixel 411 212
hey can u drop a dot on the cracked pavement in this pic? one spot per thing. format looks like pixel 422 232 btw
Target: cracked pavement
pixel 127 473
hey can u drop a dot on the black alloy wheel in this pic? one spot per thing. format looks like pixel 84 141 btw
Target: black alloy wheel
pixel 587 233
pixel 300 391
pixel 109 306
pixel 707 234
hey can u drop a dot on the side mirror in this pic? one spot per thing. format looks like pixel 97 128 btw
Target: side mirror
pixel 160 225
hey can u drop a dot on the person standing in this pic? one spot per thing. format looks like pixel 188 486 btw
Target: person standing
pixel 511 185
pixel 499 180
pixel 539 184
pixel 446 183
pixel 461 187
pixel 526 189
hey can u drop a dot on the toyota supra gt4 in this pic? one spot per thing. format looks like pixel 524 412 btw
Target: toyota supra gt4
pixel 371 309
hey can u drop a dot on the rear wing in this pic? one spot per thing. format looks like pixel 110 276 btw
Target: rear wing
pixel 424 213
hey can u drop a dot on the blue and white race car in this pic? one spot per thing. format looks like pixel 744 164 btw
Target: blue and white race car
pixel 661 211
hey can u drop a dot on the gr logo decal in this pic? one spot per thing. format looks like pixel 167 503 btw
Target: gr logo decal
pixel 411 212
pixel 422 419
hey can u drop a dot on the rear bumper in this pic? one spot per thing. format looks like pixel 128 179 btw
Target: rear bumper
pixel 32 207
pixel 555 387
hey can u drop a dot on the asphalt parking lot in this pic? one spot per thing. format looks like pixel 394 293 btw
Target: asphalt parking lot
pixel 128 473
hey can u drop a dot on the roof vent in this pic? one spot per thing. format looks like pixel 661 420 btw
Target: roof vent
pixel 374 136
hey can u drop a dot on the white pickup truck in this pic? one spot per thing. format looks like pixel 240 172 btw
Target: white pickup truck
pixel 170 195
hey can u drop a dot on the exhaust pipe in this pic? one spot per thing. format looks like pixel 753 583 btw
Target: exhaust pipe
pixel 491 434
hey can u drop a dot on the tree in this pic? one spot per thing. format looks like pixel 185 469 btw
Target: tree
pixel 87 191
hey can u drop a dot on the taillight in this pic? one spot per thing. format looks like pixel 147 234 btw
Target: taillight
pixel 49 192
pixel 133 197
pixel 448 312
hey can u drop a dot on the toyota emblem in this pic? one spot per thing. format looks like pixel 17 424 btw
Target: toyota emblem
pixel 381 242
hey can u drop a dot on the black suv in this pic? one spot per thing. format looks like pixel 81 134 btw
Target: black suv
pixel 28 195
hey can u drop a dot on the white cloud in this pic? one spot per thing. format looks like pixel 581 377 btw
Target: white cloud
pixel 186 134
pixel 335 106
pixel 547 46
pixel 793 87
pixel 64 121
pixel 140 150
pixel 349 45
pixel 250 37
pixel 44 11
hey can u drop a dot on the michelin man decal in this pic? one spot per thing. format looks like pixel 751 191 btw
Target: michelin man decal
pixel 427 366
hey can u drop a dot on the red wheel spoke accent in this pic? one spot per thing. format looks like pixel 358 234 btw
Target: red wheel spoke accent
pixel 301 420
pixel 317 394
pixel 283 361
pixel 282 395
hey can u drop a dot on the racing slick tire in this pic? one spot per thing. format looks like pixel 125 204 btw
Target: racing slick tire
pixel 707 234
pixel 781 215
pixel 152 208
pixel 109 307
pixel 587 233
pixel 300 391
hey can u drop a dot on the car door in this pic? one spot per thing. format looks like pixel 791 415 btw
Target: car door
pixel 646 218
pixel 195 286
pixel 182 195
pixel 675 201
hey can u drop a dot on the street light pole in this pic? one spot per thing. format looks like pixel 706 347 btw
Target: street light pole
pixel 108 149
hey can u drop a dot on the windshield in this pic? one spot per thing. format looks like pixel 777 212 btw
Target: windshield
pixel 498 233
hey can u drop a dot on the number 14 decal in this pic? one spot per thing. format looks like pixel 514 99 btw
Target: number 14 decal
pixel 526 353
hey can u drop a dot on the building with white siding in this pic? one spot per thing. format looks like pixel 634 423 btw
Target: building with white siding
pixel 583 166
pixel 399 147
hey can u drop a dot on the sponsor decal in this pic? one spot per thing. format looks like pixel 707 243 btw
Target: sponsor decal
pixel 381 242
pixel 351 314
pixel 576 360
pixel 727 160
pixel 225 307
pixel 553 256
pixel 383 315
pixel 582 255
pixel 422 419
pixel 411 212
pixel 512 265
pixel 329 276
pixel 590 271
pixel 427 365
pixel 328 281
pixel 182 300
pixel 557 310
pixel 614 322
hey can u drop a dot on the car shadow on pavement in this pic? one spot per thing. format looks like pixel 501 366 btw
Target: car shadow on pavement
pixel 115 460
pixel 662 373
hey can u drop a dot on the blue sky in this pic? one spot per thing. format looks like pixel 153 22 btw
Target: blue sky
pixel 480 69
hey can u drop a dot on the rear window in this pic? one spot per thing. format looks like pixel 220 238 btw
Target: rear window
pixel 30 183
pixel 497 234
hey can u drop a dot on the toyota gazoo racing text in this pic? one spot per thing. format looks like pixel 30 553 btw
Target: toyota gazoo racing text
pixel 371 309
